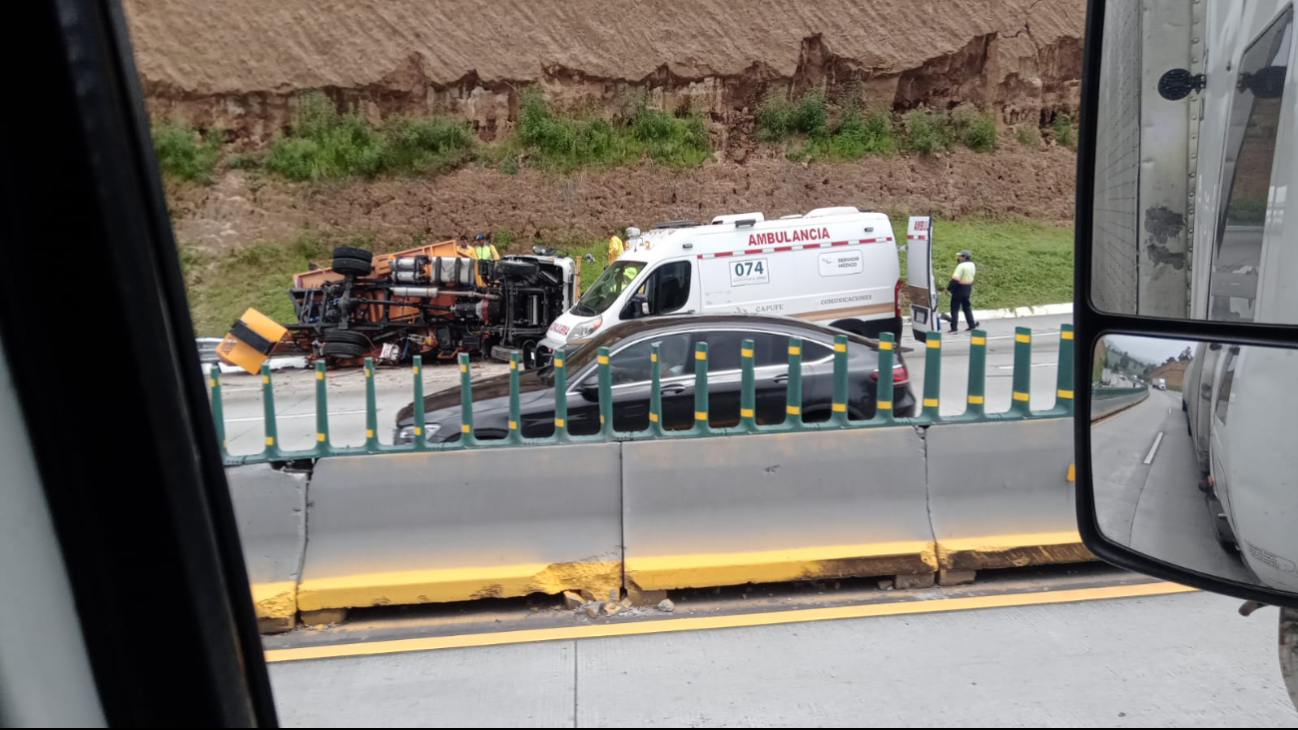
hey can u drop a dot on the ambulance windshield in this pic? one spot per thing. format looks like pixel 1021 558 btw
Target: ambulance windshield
pixel 607 288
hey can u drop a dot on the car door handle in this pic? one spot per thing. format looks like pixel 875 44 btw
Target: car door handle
pixel 673 389
pixel 781 379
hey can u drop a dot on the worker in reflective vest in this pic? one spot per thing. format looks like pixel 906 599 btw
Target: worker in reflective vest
pixel 615 248
pixel 485 250
pixel 462 248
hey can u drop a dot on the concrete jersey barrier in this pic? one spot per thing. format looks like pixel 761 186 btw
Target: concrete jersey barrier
pixel 777 507
pixel 456 526
pixel 270 506
pixel 1000 495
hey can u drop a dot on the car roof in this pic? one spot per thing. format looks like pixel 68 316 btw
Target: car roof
pixel 636 327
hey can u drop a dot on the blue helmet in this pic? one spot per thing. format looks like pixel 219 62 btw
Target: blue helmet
pixel 480 237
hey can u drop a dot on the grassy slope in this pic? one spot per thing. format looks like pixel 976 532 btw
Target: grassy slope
pixel 1019 263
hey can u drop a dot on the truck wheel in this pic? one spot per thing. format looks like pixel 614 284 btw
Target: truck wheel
pixel 358 267
pixel 351 252
pixel 348 337
pixel 343 350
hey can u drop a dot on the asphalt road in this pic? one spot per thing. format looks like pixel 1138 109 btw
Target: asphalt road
pixel 295 389
pixel 1146 485
pixel 1183 660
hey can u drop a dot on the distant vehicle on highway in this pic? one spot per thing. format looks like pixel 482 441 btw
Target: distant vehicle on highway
pixel 630 344
pixel 1160 383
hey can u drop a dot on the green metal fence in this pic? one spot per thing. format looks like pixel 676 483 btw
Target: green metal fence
pixel 840 418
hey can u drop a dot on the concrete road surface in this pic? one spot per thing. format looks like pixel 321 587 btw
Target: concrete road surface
pixel 1184 660
pixel 295 389
pixel 1147 488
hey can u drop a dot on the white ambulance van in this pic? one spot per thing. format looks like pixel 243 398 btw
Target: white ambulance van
pixel 833 266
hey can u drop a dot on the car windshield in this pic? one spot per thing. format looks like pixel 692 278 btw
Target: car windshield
pixel 608 287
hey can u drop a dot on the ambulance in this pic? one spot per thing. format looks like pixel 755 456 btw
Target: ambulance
pixel 832 266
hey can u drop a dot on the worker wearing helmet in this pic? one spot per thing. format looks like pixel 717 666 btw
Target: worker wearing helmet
pixel 484 249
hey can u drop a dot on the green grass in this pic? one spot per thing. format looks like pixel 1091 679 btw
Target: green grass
pixel 927 133
pixel 185 154
pixel 1019 263
pixel 1064 131
pixel 1028 136
pixel 324 144
pixel 566 142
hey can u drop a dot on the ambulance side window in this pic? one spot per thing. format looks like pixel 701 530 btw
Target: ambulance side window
pixel 668 287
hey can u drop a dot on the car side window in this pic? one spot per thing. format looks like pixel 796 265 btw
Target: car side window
pixel 632 364
pixel 1227 381
pixel 1250 154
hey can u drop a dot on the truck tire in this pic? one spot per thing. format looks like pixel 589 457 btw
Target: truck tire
pixel 347 337
pixel 357 267
pixel 343 350
pixel 351 252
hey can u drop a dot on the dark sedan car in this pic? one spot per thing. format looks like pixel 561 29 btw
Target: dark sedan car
pixel 630 343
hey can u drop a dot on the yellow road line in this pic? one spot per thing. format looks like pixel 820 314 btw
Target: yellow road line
pixel 702 623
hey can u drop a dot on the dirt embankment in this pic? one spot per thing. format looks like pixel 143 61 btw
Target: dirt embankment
pixel 240 64
pixel 238 210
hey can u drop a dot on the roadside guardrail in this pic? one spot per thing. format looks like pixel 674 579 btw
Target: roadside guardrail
pixel 975 411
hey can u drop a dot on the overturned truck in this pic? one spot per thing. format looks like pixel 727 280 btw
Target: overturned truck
pixel 425 301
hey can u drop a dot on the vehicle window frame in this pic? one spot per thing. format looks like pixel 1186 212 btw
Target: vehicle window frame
pixel 1221 406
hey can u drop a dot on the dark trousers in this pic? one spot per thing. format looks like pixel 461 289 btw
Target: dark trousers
pixel 961 300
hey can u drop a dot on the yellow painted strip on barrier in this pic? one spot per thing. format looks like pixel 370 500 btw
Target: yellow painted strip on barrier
pixel 601 419
pixel 885 345
pixel 884 405
pixel 747 413
pixel 265 380
pixel 1066 335
pixel 270 440
pixel 1022 338
pixel 321 437
pixel 795 350
pixel 464 428
pixel 369 373
pixel 211 382
pixel 700 415
pixel 558 362
pixel 930 403
pixel 369 433
pixel 513 365
pixel 769 566
pixel 1023 397
pixel 559 422
pixel 419 430
pixel 442 585
pixel 793 410
pixel 907 607
pixel 977 340
pixel 976 400
pixel 993 543
pixel 746 352
pixel 513 425
pixel 319 375
pixel 1064 393
pixel 699 355
pixel 276 600
pixel 603 359
pixel 463 368
pixel 653 357
pixel 840 347
pixel 415 369
pixel 840 408
pixel 1072 472
pixel 933 343
pixel 653 417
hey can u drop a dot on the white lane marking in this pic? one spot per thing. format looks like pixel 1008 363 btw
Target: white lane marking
pixel 295 415
pixel 1150 458
pixel 1035 365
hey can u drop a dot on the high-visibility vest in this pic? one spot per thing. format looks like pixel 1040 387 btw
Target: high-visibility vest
pixel 486 252
pixel 615 248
